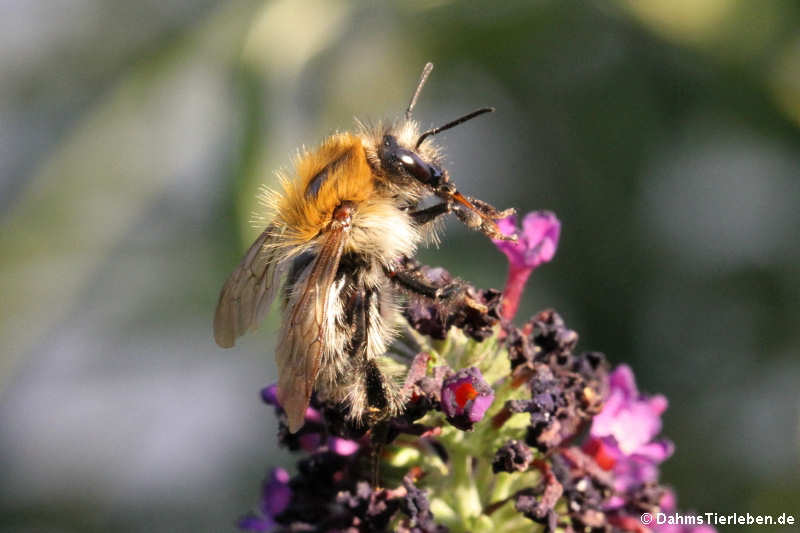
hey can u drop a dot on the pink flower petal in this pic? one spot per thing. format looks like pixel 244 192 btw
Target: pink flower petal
pixel 537 240
pixel 343 446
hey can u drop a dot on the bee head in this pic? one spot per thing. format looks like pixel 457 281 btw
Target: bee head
pixel 398 160
pixel 402 154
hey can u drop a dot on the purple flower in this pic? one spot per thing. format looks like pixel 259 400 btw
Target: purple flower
pixel 630 418
pixel 309 438
pixel 343 446
pixel 269 395
pixel 465 398
pixel 621 436
pixel 537 240
pixel 310 441
pixel 275 498
pixel 536 244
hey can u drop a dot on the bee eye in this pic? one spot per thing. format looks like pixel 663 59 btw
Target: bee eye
pixel 394 158
pixel 407 160
pixel 416 167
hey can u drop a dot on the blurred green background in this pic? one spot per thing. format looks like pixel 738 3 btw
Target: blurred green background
pixel 133 136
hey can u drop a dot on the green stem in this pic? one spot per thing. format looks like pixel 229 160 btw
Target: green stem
pixel 467 501
pixel 441 347
pixel 502 487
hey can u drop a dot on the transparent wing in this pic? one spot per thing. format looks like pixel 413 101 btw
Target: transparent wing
pixel 248 292
pixel 305 329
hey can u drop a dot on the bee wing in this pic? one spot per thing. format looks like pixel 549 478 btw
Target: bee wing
pixel 305 329
pixel 248 292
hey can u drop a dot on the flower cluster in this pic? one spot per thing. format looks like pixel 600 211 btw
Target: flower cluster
pixel 507 428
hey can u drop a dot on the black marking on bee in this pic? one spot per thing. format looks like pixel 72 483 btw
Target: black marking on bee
pixel 315 184
pixel 352 263
pixel 299 265
pixel 356 315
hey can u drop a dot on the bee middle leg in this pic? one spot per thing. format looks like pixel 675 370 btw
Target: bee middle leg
pixel 407 275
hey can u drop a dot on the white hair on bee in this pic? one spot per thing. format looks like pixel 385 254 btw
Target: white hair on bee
pixel 383 231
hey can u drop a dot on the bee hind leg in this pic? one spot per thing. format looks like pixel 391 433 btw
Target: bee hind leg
pixel 375 385
pixel 367 385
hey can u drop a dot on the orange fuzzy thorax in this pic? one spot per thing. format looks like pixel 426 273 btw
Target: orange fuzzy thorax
pixel 348 178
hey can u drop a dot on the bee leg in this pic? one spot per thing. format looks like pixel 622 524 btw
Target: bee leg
pixel 448 291
pixel 413 283
pixel 429 214
pixel 375 385
pixel 412 280
pixel 379 437
pixel 363 384
pixel 375 464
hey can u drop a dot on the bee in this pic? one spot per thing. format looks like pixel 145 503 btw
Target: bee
pixel 340 235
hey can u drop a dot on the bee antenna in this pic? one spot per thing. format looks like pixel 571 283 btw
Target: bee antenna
pixel 452 124
pixel 426 71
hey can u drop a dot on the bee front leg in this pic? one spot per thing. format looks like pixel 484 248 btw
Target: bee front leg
pixel 429 214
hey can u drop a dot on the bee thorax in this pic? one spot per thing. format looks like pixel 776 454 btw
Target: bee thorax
pixel 382 231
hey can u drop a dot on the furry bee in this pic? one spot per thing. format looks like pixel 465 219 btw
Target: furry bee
pixel 340 231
